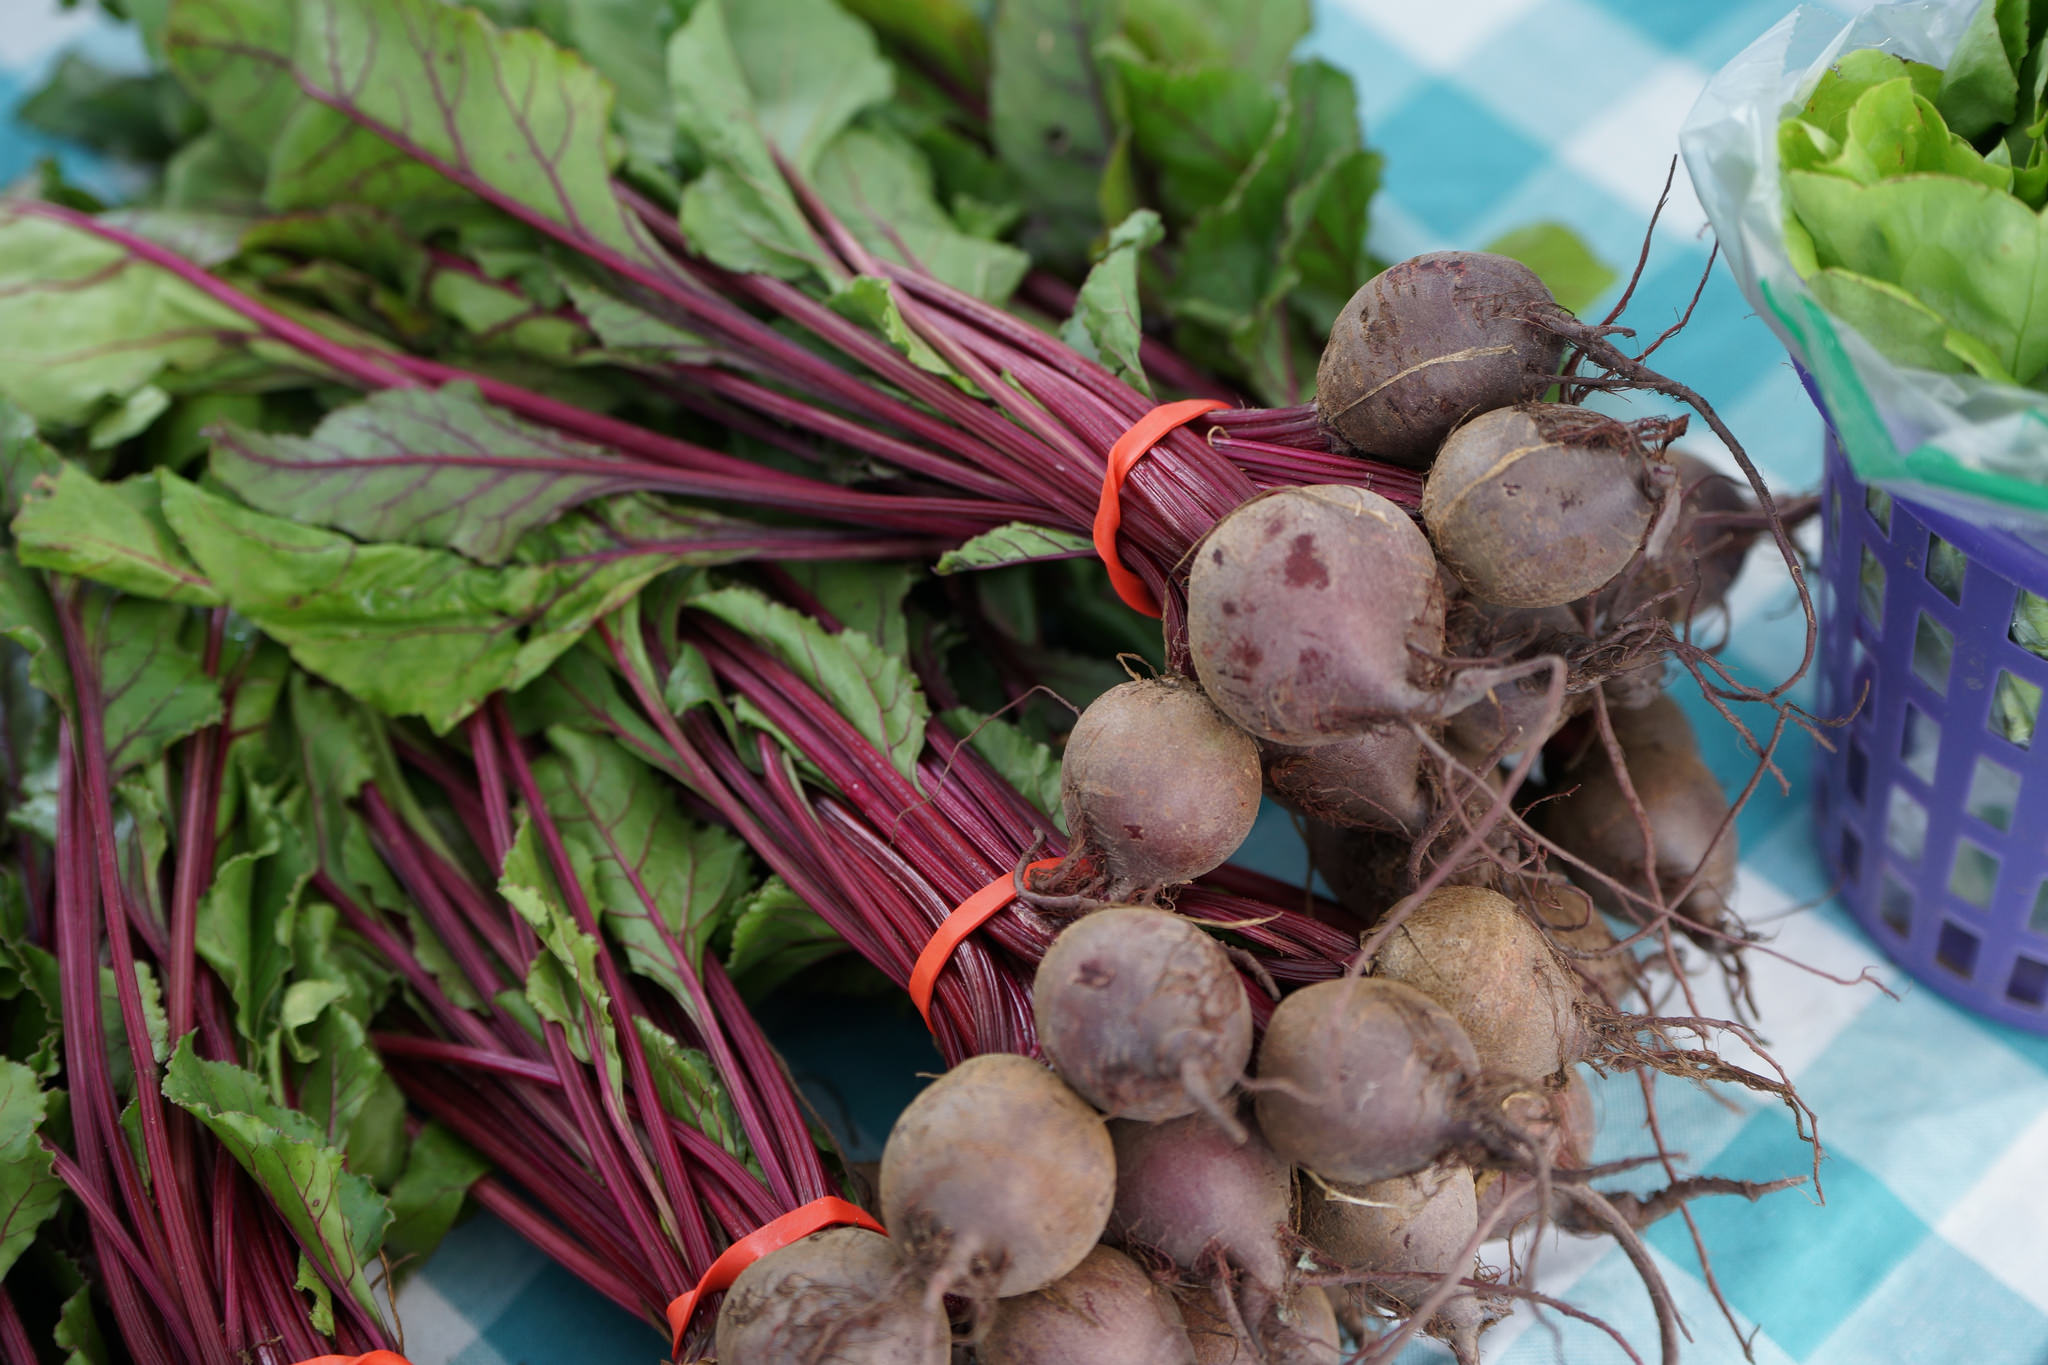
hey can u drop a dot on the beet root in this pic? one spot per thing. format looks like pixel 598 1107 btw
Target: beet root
pixel 1429 342
pixel 1687 810
pixel 1158 787
pixel 1541 504
pixel 1473 952
pixel 1104 1309
pixel 844 1296
pixel 1312 612
pixel 1587 944
pixel 1363 1079
pixel 1186 1190
pixel 1418 1223
pixel 1370 781
pixel 1717 526
pixel 997 1179
pixel 1142 1013
pixel 1301 1330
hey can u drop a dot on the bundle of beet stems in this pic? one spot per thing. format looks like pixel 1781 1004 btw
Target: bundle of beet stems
pixel 204 1201
pixel 880 410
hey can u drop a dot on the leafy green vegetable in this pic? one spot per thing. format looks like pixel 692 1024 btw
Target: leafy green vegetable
pixel 30 1191
pixel 134 117
pixel 113 533
pixel 1025 763
pixel 562 982
pixel 1254 36
pixel 426 467
pixel 690 1088
pixel 83 324
pixel 1051 115
pixel 1017 543
pixel 882 188
pixel 739 107
pixel 1106 325
pixel 439 1170
pixel 1913 198
pixel 337 1216
pixel 775 936
pixel 873 689
pixel 342 608
pixel 640 848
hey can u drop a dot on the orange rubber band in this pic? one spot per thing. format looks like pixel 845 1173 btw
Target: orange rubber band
pixel 1131 447
pixel 369 1358
pixel 815 1216
pixel 977 910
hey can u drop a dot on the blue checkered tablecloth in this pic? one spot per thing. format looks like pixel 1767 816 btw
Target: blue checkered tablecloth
pixel 1933 1242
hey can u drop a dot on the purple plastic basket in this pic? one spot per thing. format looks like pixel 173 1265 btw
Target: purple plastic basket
pixel 1933 806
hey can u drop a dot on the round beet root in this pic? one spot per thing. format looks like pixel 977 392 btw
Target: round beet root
pixel 1302 1330
pixel 1539 505
pixel 1105 1309
pixel 1186 1190
pixel 1428 343
pixel 997 1178
pixel 1372 781
pixel 1474 953
pixel 1686 807
pixel 1215 1340
pixel 1693 570
pixel 1361 1079
pixel 843 1296
pixel 1571 921
pixel 1158 785
pixel 1311 612
pixel 1141 1012
pixel 1420 1223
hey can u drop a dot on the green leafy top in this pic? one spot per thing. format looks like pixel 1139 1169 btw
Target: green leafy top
pixel 1914 198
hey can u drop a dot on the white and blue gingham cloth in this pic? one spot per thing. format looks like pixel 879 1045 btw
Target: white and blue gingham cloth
pixel 1933 1243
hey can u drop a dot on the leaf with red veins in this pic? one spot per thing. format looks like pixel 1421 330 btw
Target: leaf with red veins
pixel 440 468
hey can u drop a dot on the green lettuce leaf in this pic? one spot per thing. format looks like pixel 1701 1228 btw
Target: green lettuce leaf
pixel 1980 87
pixel 1974 255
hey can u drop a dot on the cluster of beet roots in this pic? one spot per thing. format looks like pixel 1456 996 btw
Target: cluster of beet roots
pixel 1466 710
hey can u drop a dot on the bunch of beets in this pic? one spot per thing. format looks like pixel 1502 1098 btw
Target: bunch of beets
pixel 466 628
pixel 1214 1171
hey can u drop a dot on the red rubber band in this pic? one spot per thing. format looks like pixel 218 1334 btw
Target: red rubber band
pixel 1131 447
pixel 772 1236
pixel 977 910
pixel 369 1358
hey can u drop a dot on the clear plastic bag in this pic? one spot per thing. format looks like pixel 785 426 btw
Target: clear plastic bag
pixel 1956 441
